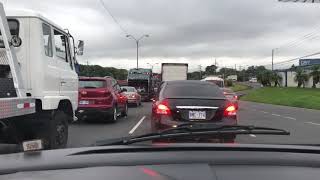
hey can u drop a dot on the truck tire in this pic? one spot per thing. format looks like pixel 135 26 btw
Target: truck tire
pixel 54 133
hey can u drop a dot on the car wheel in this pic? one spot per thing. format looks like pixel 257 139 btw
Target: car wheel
pixel 124 113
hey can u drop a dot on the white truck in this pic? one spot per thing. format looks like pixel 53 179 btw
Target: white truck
pixel 38 80
pixel 232 77
pixel 174 71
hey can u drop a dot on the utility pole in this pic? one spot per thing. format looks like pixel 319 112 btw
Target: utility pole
pixel 200 71
pixel 137 54
pixel 235 67
pixel 87 63
pixel 272 59
pixel 215 62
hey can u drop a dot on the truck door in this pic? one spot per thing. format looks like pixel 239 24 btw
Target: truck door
pixel 52 79
pixel 68 76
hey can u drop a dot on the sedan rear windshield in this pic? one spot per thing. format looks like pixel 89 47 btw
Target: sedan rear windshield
pixel 192 90
pixel 91 84
pixel 218 83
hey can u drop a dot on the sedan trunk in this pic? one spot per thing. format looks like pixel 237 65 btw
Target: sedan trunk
pixel 191 109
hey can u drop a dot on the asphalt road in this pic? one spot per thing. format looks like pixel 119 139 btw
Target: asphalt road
pixel 304 125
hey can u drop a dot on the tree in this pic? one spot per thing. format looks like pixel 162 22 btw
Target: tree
pixel 301 77
pixel 98 71
pixel 210 70
pixel 265 77
pixel 253 71
pixel 227 71
pixel 315 75
pixel 276 78
pixel 193 76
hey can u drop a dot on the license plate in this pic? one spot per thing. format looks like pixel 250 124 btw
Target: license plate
pixel 32 145
pixel 84 102
pixel 197 115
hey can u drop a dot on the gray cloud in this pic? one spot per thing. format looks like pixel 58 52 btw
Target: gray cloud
pixel 189 29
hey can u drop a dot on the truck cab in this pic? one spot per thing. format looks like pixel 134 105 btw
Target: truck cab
pixel 45 59
pixel 41 69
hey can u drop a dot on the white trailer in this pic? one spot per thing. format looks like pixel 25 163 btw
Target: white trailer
pixel 38 80
pixel 174 71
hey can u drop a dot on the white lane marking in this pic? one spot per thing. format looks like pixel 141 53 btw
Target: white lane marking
pixel 265 112
pixel 137 125
pixel 313 123
pixel 287 117
pixel 252 135
pixel 276 115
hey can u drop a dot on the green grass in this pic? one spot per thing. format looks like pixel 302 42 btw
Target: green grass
pixel 239 87
pixel 303 98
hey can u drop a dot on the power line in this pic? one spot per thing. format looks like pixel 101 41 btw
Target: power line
pixel 302 38
pixel 113 18
pixel 294 59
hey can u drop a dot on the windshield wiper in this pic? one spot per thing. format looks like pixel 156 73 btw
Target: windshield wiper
pixel 194 130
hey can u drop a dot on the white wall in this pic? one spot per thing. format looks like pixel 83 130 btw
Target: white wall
pixel 290 79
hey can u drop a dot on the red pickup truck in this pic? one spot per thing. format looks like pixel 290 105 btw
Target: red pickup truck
pixel 101 96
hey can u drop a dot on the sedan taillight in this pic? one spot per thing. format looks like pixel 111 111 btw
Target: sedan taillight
pixel 230 111
pixel 163 109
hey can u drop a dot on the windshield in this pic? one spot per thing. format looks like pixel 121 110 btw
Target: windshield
pixel 150 66
pixel 129 89
pixel 14 30
pixel 91 84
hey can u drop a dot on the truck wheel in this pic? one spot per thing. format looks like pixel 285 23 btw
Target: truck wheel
pixel 124 113
pixel 55 132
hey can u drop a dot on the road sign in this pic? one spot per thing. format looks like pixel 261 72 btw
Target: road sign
pixel 308 62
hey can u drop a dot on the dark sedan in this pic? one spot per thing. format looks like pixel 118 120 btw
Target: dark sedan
pixel 181 102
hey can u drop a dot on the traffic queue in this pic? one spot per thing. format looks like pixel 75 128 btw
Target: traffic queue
pixel 108 99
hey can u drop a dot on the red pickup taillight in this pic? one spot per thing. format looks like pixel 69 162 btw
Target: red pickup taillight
pixel 230 111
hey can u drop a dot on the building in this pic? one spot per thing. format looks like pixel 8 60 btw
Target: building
pixel 288 75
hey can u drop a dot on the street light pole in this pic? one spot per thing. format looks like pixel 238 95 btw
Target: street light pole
pixel 137 44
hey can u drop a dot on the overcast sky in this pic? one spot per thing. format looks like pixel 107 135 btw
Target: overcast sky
pixel 241 32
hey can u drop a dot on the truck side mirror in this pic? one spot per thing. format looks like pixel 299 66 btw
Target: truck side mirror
pixel 80 48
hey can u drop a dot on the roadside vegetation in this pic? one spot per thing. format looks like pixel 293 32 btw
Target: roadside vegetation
pixel 239 87
pixel 296 97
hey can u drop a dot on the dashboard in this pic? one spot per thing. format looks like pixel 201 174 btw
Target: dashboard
pixel 166 162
